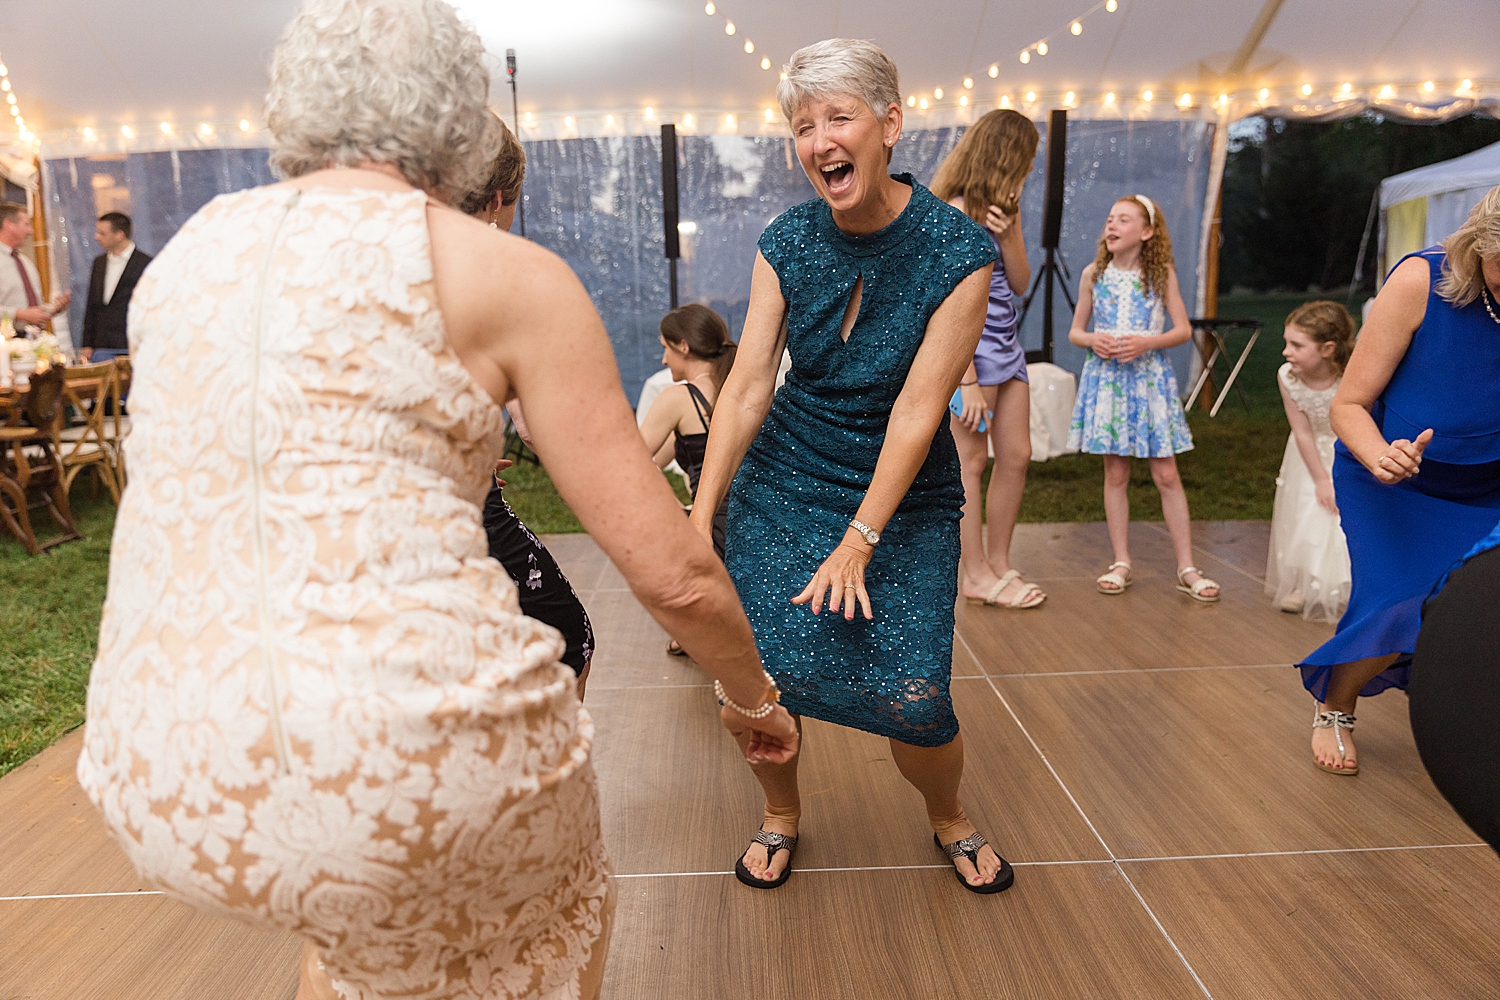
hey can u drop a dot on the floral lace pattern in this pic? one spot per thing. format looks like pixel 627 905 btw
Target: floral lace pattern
pixel 1128 407
pixel 316 704
pixel 809 468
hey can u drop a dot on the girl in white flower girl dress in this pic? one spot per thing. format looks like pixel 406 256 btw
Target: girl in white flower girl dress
pixel 1307 569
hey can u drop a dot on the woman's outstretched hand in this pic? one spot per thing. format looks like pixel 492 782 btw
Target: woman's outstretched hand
pixel 842 579
pixel 1401 459
pixel 773 740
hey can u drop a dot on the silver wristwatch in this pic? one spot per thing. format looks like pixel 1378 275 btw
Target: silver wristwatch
pixel 870 534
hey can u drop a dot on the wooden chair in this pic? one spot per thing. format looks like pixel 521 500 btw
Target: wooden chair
pixel 29 462
pixel 84 445
pixel 117 423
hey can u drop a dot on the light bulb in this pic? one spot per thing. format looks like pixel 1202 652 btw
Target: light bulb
pixel 687 119
pixel 709 8
pixel 729 121
pixel 5 85
pixel 1307 90
pixel 1111 5
pixel 1069 98
pixel 728 27
pixel 1005 100
pixel 1030 97
pixel 4 70
pixel 783 74
pixel 244 125
pixel 528 118
pixel 88 134
pixel 963 100
pixel 749 46
pixel 15 112
pixel 1387 92
pixel 568 121
pixel 994 70
pixel 770 115
pixel 166 128
pixel 1264 93
pixel 937 94
pixel 1041 48
pixel 609 120
pixel 1428 87
pixel 1025 58
pixel 968 83
pixel 765 64
pixel 1109 98
pixel 1346 88
pixel 1223 99
pixel 1146 96
pixel 127 131
pixel 1076 28
pixel 10 98
pixel 205 130
pixel 922 103
pixel 1185 101
pixel 1466 85
pixel 650 111
pixel 911 101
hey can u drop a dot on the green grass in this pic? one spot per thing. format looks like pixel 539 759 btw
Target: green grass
pixel 49 628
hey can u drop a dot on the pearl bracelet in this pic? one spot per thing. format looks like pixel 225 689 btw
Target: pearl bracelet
pixel 766 707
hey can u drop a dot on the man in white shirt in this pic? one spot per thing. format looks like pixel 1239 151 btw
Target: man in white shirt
pixel 20 285
pixel 116 271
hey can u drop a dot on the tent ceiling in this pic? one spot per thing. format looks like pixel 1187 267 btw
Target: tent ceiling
pixel 79 63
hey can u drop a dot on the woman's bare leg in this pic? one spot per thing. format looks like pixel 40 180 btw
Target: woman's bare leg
pixel 1117 505
pixel 1174 510
pixel 1010 433
pixel 1344 682
pixel 313 983
pixel 783 810
pixel 936 772
pixel 975 577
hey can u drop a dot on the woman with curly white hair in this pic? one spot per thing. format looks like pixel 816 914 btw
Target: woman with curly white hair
pixel 316 703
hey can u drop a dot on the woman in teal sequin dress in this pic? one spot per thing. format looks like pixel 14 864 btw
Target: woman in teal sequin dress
pixel 879 291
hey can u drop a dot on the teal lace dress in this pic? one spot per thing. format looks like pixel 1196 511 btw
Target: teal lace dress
pixel 808 470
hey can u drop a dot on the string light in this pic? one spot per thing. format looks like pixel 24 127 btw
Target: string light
pixel 1005 100
pixel 994 71
pixel 1076 27
pixel 765 64
pixel 968 83
pixel 1025 58
pixel 88 134
pixel 1264 93
pixel 609 120
pixel 1109 98
pixel 937 94
pixel 1111 5
pixel 730 28
pixel 770 115
pixel 1185 101
pixel 1346 89
pixel 14 106
pixel 1146 96
pixel 1387 92
pixel 205 130
pixel 650 112
pixel 1041 48
pixel 911 101
pixel 127 131
pixel 749 46
pixel 1466 85
pixel 244 124
pixel 730 124
pixel 1428 87
pixel 922 103
pixel 963 100
pixel 166 128
pixel 1307 90
pixel 1030 97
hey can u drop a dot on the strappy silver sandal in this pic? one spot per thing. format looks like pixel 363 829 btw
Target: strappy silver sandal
pixel 1335 721
pixel 772 842
pixel 969 847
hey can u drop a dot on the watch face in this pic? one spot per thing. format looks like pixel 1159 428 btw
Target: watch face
pixel 872 536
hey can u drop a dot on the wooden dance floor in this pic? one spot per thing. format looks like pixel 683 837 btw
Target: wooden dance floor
pixel 1142 760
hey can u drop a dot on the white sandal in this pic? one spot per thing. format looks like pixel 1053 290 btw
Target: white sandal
pixel 1335 721
pixel 1029 596
pixel 1121 583
pixel 1196 590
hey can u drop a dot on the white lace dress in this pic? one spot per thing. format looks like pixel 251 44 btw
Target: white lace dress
pixel 316 703
pixel 1307 569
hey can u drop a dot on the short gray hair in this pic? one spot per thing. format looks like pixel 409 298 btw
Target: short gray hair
pixel 839 66
pixel 401 82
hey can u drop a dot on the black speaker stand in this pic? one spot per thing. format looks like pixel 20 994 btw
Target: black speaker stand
pixel 1053 269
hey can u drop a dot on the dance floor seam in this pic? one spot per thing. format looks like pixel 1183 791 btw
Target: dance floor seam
pixel 1092 829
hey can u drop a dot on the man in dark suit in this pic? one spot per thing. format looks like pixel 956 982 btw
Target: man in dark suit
pixel 115 273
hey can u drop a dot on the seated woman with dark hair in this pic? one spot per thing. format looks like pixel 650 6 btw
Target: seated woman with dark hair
pixel 545 592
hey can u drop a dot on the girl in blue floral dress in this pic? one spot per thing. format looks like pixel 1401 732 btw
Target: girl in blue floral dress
pixel 1127 404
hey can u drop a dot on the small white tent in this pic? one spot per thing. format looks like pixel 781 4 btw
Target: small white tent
pixel 1424 206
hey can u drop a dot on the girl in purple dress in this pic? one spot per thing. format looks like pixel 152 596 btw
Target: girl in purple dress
pixel 982 177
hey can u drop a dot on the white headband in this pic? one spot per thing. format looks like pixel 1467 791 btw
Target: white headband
pixel 1150 208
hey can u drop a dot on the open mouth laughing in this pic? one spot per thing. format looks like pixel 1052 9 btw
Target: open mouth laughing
pixel 839 176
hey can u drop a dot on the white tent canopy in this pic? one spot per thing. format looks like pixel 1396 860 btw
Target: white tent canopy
pixel 1423 207
pixel 186 63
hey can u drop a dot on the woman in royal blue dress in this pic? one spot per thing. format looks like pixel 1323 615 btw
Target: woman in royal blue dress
pixel 846 489
pixel 1417 467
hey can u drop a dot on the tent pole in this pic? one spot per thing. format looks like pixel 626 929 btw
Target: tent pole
pixel 1208 237
pixel 40 245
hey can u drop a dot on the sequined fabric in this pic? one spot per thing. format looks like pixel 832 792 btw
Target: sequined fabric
pixel 807 472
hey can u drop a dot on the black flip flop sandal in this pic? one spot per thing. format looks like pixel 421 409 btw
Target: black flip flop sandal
pixel 772 842
pixel 969 848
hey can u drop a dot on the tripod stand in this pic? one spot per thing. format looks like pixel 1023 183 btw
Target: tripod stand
pixel 1053 269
